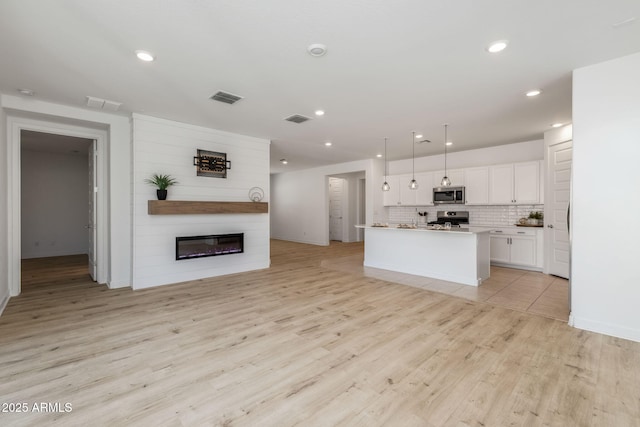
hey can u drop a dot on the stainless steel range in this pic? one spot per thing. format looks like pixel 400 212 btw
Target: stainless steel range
pixel 455 218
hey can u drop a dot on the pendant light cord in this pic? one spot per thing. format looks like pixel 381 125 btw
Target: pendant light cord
pixel 385 159
pixel 445 149
pixel 413 155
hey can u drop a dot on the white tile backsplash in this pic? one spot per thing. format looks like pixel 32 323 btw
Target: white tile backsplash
pixel 489 215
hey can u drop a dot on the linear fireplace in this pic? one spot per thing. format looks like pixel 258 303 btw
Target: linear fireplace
pixel 212 245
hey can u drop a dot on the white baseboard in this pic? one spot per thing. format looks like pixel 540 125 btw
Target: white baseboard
pixel 118 284
pixel 308 242
pixel 3 304
pixel 605 328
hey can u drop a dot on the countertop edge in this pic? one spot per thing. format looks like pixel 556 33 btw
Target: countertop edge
pixel 470 230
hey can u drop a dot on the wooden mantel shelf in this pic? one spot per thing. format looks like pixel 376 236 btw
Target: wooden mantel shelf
pixel 178 207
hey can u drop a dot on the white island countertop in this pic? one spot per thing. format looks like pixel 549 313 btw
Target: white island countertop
pixel 458 255
pixel 464 230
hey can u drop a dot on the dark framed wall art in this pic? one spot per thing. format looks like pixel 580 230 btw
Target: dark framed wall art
pixel 211 164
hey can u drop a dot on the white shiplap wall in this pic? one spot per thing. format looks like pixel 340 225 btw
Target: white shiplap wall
pixel 167 147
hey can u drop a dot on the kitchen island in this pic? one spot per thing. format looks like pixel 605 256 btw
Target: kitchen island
pixel 458 255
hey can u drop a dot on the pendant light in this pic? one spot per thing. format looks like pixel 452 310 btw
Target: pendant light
pixel 385 186
pixel 446 182
pixel 413 185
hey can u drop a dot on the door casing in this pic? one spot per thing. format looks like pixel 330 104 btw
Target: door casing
pixel 16 124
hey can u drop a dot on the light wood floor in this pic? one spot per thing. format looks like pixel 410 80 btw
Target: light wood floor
pixel 302 343
pixel 521 290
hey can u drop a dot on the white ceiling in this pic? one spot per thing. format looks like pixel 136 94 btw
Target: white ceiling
pixel 392 67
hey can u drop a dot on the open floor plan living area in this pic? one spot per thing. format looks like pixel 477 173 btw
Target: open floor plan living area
pixel 319 213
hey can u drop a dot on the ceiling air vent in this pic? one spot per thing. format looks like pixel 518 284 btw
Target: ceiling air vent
pixel 297 118
pixel 226 97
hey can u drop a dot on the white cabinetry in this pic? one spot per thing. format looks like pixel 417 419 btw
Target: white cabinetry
pixel 407 195
pixel 401 195
pixel 516 247
pixel 476 181
pixel 508 184
pixel 392 197
pixel 526 182
pixel 456 176
pixel 514 183
pixel 424 194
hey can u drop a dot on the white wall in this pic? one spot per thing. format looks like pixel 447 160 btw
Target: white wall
pixel 300 207
pixel 508 153
pixel 54 197
pixel 167 147
pixel 605 276
pixel 4 235
pixel 119 171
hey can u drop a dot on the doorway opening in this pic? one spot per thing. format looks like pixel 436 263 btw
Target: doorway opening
pixel 45 213
pixel 56 194
pixel 346 206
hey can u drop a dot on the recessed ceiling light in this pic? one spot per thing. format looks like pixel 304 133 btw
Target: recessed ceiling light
pixel 556 125
pixel 26 92
pixel 328 144
pixel 449 143
pixel 317 49
pixel 283 161
pixel 378 155
pixel 534 92
pixel 319 113
pixel 497 46
pixel 419 135
pixel 145 56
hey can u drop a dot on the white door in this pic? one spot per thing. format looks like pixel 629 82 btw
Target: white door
pixel 335 208
pixel 91 225
pixel 559 158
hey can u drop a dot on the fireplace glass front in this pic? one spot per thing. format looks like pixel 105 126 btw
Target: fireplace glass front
pixel 212 245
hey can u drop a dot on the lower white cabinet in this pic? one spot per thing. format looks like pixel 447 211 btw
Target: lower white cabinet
pixel 516 247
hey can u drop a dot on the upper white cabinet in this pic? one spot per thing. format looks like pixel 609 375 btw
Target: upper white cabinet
pixel 392 197
pixel 526 187
pixel 407 195
pixel 424 194
pixel 456 176
pixel 401 195
pixel 507 184
pixel 476 181
pixel 514 183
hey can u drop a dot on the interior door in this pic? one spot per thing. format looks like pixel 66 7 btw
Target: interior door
pixel 335 208
pixel 92 215
pixel 559 158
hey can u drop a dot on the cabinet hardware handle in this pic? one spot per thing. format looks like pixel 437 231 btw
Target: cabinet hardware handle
pixel 550 225
pixel 520 232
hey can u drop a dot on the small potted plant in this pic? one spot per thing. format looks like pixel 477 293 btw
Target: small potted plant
pixel 162 182
pixel 535 218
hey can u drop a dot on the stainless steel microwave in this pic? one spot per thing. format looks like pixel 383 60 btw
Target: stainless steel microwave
pixel 448 195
